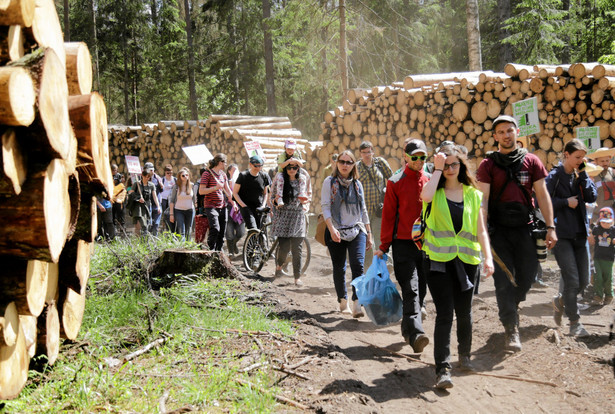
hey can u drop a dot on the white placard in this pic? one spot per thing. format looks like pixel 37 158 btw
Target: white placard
pixel 254 148
pixel 198 154
pixel 133 164
pixel 526 114
pixel 590 137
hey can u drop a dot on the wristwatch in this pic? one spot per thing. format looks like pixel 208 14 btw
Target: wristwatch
pixel 550 227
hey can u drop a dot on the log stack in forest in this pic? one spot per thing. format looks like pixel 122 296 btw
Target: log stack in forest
pixel 54 161
pixel 460 107
pixel 162 143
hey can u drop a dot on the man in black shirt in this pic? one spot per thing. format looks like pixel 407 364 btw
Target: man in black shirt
pixel 250 192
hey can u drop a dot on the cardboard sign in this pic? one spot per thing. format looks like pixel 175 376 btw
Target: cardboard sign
pixel 198 154
pixel 526 114
pixel 254 148
pixel 133 164
pixel 590 137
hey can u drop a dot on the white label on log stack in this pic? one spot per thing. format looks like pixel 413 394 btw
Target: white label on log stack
pixel 526 114
pixel 590 137
pixel 198 154
pixel 133 164
pixel 254 148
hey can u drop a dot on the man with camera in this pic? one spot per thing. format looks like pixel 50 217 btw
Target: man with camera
pixel 373 175
pixel 507 178
pixel 402 206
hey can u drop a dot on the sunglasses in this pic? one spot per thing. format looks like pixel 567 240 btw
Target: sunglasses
pixel 292 167
pixel 452 165
pixel 344 162
pixel 417 157
pixel 257 165
pixel 169 172
pixel 184 175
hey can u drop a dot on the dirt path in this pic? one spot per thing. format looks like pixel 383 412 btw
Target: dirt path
pixel 355 376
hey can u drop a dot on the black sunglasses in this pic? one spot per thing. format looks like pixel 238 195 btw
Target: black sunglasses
pixel 257 165
pixel 292 167
pixel 344 162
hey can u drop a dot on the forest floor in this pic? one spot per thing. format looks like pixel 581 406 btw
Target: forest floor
pixel 361 368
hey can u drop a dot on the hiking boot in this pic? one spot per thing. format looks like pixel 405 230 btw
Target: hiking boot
pixel 578 330
pixel 558 309
pixel 465 364
pixel 278 273
pixel 597 301
pixel 608 300
pixel 511 338
pixel 420 343
pixel 444 380
pixel 357 312
pixel 344 306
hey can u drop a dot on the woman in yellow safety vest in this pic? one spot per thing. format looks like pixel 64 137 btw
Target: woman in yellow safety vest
pixel 455 234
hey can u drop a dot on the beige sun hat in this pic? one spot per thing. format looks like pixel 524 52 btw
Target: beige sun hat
pixel 592 169
pixel 602 152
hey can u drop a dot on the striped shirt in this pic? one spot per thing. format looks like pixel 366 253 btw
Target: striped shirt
pixel 215 199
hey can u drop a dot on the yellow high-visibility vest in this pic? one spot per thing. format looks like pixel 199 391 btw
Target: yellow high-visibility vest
pixel 441 242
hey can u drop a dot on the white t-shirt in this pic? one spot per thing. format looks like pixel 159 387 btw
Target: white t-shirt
pixel 167 186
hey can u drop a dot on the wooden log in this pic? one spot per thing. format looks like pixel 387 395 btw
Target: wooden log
pixel 25 283
pixel 9 323
pixel 17 97
pixel 523 72
pixel 28 326
pixel 17 12
pixel 252 121
pixel 48 337
pixel 49 136
pixel 71 305
pixel 274 125
pixel 36 222
pixel 11 43
pixel 479 112
pixel 46 31
pixel 87 224
pixel 600 70
pixel 460 110
pixel 78 68
pixel 14 363
pixel 88 115
pixel 74 264
pixel 14 169
pixel 415 81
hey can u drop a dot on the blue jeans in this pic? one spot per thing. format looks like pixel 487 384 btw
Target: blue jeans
pixel 183 222
pixel 156 214
pixel 572 259
pixel 517 249
pixel 355 249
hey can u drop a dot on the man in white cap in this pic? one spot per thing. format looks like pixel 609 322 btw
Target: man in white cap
pixel 605 180
pixel 507 178
pixel 290 151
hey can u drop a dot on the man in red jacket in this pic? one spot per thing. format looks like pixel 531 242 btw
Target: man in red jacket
pixel 402 206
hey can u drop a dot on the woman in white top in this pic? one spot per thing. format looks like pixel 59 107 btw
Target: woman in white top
pixel 181 204
pixel 167 182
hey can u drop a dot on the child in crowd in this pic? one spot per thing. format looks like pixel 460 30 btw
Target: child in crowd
pixel 603 239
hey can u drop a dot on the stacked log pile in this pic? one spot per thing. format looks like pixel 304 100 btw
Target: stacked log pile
pixel 162 143
pixel 54 160
pixel 460 107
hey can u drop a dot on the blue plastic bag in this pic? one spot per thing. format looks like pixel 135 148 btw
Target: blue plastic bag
pixel 378 294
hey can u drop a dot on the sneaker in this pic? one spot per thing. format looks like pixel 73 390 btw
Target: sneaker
pixel 420 343
pixel 540 284
pixel 608 300
pixel 465 364
pixel 278 273
pixel 512 342
pixel 596 301
pixel 344 306
pixel 578 330
pixel 423 313
pixel 357 312
pixel 444 380
pixel 298 282
pixel 558 309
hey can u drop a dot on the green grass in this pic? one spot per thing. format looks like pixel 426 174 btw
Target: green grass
pixel 198 365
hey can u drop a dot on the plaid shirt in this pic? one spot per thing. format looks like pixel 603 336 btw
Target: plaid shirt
pixel 374 180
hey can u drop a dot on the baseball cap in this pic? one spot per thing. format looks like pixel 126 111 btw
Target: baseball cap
pixel 255 159
pixel 415 145
pixel 504 118
pixel 290 143
pixel 148 167
pixel 608 218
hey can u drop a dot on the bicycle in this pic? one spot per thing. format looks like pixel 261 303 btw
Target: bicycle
pixel 257 251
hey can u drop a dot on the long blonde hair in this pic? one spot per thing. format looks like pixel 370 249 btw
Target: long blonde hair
pixel 189 184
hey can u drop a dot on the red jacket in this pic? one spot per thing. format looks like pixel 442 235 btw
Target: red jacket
pixel 402 206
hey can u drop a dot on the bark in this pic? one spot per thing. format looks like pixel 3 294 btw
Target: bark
pixel 343 57
pixel 269 71
pixel 473 29
pixel 192 104
pixel 505 50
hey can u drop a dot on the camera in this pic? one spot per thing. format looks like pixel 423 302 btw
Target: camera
pixel 541 247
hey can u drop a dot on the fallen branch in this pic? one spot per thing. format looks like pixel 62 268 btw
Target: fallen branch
pixel 162 403
pixel 277 397
pixel 289 372
pixel 298 364
pixel 145 349
pixel 253 366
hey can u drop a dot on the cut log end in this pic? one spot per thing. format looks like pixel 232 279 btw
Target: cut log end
pixel 48 339
pixel 17 97
pixel 78 68
pixel 14 363
pixel 57 208
pixel 72 306
pixel 13 162
pixel 9 325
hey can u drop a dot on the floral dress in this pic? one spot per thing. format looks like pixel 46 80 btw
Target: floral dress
pixel 289 219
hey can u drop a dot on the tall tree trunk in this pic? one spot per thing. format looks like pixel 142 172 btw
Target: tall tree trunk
pixel 473 27
pixel 126 76
pixel 95 40
pixel 565 53
pixel 231 28
pixel 191 85
pixel 505 51
pixel 343 58
pixel 244 73
pixel 154 11
pixel 135 77
pixel 269 75
pixel 323 56
pixel 66 21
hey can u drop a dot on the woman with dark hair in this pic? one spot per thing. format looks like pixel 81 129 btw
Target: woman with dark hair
pixel 570 188
pixel 235 226
pixel 455 235
pixel 289 217
pixel 348 231
pixel 200 221
pixel 181 204
pixel 214 186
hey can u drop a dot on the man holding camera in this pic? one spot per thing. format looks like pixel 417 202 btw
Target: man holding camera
pixel 507 178
pixel 373 174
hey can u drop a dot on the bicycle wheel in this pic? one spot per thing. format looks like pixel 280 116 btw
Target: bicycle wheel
pixel 254 251
pixel 306 256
